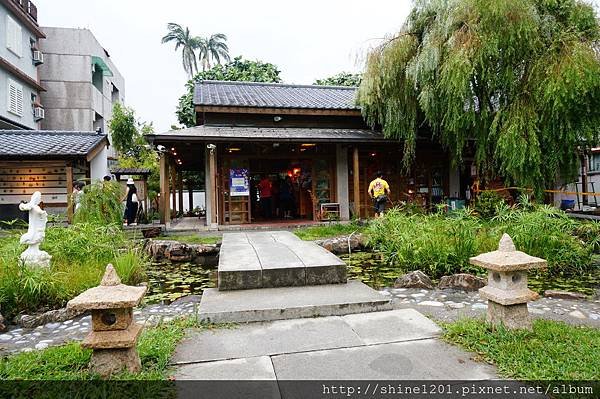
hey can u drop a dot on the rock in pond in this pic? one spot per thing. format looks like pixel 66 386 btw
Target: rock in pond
pixel 416 279
pixel 339 245
pixel 462 281
pixel 176 251
pixel 575 296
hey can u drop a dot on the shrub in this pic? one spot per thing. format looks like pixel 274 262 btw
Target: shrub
pixel 442 244
pixel 487 202
pixel 80 254
pixel 100 204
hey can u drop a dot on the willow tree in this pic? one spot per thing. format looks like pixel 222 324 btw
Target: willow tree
pixel 518 80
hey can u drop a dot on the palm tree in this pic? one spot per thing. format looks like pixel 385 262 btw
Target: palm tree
pixel 213 47
pixel 187 42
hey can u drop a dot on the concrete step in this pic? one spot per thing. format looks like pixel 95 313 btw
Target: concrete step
pixel 266 304
pixel 275 259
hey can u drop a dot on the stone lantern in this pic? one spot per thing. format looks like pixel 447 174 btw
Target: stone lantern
pixel 507 292
pixel 114 332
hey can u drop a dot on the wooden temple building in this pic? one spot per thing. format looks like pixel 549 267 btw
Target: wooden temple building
pixel 313 135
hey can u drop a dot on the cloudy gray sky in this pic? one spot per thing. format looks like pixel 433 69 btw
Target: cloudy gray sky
pixel 307 39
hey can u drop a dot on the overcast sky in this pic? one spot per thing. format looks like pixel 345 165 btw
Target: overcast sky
pixel 306 39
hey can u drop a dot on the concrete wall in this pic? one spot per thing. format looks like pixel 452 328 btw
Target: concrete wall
pixel 99 165
pixel 72 101
pixel 25 64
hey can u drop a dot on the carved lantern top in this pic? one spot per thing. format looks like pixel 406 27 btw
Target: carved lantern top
pixel 506 258
pixel 110 294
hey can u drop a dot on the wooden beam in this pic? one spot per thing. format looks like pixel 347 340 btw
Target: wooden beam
pixel 70 205
pixel 96 150
pixel 356 177
pixel 212 180
pixel 278 111
pixel 163 204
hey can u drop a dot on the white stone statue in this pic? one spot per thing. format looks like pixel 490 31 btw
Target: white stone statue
pixel 36 233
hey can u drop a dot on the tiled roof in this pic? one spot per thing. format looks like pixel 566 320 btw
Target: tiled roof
pixel 218 133
pixel 48 143
pixel 131 171
pixel 274 95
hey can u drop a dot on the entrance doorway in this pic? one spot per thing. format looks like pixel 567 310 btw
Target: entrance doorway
pixel 280 188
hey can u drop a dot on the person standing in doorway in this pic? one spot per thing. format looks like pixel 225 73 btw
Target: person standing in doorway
pixel 265 192
pixel 131 203
pixel 379 190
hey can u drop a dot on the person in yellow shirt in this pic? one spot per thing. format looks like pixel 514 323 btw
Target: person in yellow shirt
pixel 379 190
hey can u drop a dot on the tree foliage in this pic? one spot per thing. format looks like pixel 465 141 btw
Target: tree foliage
pixel 189 44
pixel 236 70
pixel 517 79
pixel 134 152
pixel 212 48
pixel 341 79
pixel 123 128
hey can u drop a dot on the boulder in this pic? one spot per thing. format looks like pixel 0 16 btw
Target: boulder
pixel 3 326
pixel 176 251
pixel 52 316
pixel 462 281
pixel 416 279
pixel 339 245
pixel 574 296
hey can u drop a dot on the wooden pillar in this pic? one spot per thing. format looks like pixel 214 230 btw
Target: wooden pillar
pixel 70 204
pixel 180 189
pixel 191 196
pixel 164 207
pixel 173 183
pixel 212 177
pixel 356 177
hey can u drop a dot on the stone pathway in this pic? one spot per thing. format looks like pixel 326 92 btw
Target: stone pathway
pixel 365 346
pixel 441 305
pixel 23 340
pixel 449 305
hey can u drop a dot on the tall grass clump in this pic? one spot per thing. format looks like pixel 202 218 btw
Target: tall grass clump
pixel 80 254
pixel 441 244
pixel 101 204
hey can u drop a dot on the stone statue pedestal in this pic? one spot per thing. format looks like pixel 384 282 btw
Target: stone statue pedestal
pixel 35 257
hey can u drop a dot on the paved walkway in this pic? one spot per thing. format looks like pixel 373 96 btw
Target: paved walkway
pixel 397 344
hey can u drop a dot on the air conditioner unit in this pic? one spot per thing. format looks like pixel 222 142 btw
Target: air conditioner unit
pixel 38 57
pixel 38 113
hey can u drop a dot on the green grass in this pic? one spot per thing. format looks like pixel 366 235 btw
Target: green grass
pixel 70 361
pixel 193 239
pixel 79 253
pixel 553 351
pixel 328 231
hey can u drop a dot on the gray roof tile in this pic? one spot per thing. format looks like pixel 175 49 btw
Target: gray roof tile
pixel 48 143
pixel 274 95
pixel 218 133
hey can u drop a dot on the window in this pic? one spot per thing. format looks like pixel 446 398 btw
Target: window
pixel 594 163
pixel 14 37
pixel 15 98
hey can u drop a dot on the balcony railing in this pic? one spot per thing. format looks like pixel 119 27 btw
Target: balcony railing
pixel 27 6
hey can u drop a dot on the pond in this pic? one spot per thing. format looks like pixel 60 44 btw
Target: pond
pixel 167 281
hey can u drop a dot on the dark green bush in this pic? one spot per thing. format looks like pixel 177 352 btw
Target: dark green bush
pixel 487 202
